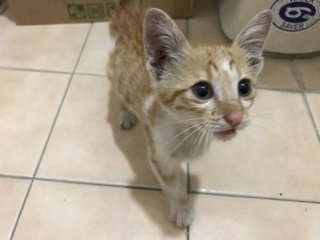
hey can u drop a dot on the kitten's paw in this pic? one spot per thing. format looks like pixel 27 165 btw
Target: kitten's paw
pixel 182 215
pixel 127 120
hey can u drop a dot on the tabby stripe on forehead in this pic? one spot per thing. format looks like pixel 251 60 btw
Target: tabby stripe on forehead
pixel 211 63
pixel 234 67
pixel 212 67
pixel 216 84
pixel 231 63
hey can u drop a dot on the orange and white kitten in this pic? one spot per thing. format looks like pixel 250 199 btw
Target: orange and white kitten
pixel 183 95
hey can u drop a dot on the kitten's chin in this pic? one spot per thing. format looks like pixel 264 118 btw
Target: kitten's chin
pixel 226 135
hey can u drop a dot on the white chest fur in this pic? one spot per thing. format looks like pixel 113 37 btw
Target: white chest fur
pixel 177 139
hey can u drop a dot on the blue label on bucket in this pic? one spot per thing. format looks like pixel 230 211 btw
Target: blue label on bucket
pixel 295 15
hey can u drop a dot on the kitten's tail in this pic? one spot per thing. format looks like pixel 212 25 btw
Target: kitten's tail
pixel 127 12
pixel 129 3
pixel 127 6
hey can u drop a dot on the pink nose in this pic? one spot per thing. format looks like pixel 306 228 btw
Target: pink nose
pixel 234 118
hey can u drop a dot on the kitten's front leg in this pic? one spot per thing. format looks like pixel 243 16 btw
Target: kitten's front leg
pixel 173 182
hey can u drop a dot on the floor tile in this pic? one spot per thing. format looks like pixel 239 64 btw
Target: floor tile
pixel 94 58
pixel 248 219
pixel 88 145
pixel 28 104
pixel 55 210
pixel 314 102
pixel 310 71
pixel 275 156
pixel 205 9
pixel 206 31
pixel 12 193
pixel 276 73
pixel 49 47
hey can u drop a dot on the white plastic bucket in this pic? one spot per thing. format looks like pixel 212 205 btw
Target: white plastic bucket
pixel 295 28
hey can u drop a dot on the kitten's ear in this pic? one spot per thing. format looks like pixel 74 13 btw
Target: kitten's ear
pixel 163 42
pixel 252 38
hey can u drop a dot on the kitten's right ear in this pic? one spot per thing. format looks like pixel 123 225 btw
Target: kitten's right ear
pixel 252 38
pixel 163 42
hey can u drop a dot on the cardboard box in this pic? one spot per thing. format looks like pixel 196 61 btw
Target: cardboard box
pixel 74 11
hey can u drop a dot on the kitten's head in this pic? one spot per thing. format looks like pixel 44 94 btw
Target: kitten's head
pixel 212 86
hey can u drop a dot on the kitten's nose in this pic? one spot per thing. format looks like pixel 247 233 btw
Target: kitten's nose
pixel 234 118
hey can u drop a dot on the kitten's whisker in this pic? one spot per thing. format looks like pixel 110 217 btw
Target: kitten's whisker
pixel 203 132
pixel 185 130
pixel 187 120
pixel 185 138
pixel 197 139
pixel 207 138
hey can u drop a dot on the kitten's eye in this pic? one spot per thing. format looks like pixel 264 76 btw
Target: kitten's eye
pixel 202 90
pixel 244 88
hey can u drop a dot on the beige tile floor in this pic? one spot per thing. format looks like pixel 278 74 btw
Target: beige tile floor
pixel 68 172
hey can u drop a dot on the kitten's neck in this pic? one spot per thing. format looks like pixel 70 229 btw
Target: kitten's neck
pixel 178 139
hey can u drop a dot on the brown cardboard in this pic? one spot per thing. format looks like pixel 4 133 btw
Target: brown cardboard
pixel 73 11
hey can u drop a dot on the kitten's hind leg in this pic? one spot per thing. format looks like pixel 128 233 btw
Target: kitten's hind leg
pixel 126 119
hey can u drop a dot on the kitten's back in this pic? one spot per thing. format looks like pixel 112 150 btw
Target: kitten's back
pixel 127 61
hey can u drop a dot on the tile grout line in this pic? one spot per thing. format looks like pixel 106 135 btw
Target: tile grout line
pixel 75 182
pixel 194 192
pixel 298 76
pixel 33 70
pixel 15 177
pixel 50 71
pixel 91 74
pixel 312 91
pixel 63 99
pixel 254 197
pixel 49 136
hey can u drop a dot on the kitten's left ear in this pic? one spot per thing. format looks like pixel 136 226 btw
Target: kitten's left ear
pixel 252 38
pixel 163 42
